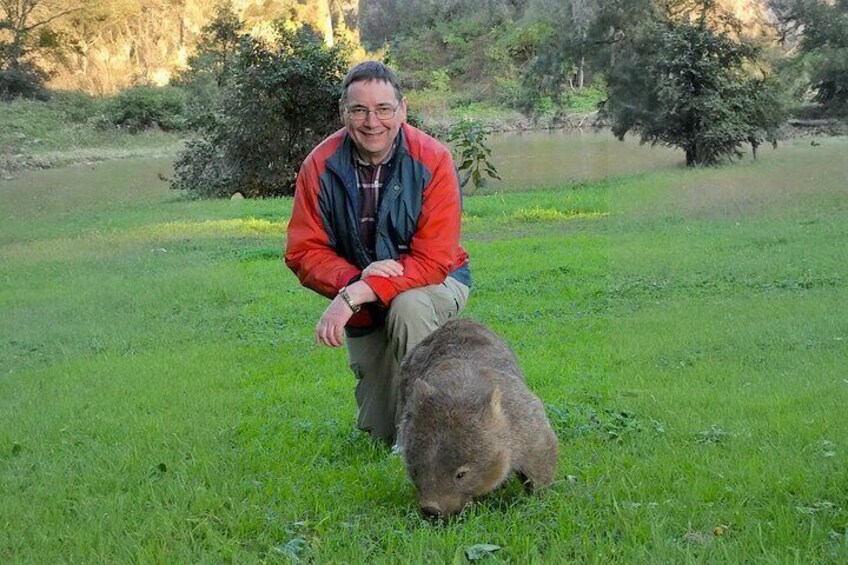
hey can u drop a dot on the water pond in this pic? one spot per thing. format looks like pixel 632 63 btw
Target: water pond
pixel 558 157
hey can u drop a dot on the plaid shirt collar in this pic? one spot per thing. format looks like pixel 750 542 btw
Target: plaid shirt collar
pixel 360 162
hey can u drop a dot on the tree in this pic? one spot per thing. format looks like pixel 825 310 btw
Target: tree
pixel 613 27
pixel 24 31
pixel 210 67
pixel 556 54
pixel 279 101
pixel 682 84
pixel 219 41
pixel 823 46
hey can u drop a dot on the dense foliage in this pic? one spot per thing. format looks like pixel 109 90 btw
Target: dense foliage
pixel 821 30
pixel 22 79
pixel 682 84
pixel 143 107
pixel 279 101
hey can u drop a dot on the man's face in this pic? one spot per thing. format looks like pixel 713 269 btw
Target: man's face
pixel 373 136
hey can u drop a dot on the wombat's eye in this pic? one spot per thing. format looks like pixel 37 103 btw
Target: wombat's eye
pixel 460 474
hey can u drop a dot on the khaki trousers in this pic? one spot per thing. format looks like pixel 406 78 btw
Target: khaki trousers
pixel 376 358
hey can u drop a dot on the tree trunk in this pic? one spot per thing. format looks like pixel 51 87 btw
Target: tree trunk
pixel 580 72
pixel 690 156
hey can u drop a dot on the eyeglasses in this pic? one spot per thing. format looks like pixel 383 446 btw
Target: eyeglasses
pixel 360 113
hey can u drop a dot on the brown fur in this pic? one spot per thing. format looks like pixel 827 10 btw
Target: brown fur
pixel 469 421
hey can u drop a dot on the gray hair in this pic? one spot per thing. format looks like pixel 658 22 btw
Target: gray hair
pixel 368 71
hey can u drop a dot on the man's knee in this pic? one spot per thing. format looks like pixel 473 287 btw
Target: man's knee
pixel 411 318
pixel 411 306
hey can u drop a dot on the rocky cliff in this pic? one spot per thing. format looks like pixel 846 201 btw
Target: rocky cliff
pixel 113 44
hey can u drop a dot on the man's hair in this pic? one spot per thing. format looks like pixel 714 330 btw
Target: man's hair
pixel 368 71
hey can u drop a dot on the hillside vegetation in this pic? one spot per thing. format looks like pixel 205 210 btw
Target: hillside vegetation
pixel 499 51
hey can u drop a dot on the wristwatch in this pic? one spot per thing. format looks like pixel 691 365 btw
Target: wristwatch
pixel 346 297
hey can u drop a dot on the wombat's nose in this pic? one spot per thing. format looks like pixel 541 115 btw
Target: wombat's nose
pixel 431 509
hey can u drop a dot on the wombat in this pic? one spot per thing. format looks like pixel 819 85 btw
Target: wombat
pixel 468 419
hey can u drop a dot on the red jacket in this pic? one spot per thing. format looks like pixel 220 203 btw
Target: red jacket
pixel 418 219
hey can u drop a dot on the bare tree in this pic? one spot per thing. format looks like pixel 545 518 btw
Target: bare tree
pixel 21 18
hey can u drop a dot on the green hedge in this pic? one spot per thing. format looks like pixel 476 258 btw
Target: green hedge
pixel 143 107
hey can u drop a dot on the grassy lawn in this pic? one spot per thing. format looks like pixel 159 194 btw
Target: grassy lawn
pixel 64 131
pixel 161 400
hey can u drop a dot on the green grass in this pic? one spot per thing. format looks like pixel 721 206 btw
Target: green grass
pixel 64 130
pixel 585 100
pixel 161 400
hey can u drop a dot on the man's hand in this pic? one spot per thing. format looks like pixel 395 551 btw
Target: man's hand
pixel 384 268
pixel 330 329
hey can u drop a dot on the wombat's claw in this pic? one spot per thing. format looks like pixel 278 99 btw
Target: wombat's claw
pixel 526 482
pixel 397 449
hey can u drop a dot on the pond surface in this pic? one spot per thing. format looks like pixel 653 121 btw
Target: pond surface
pixel 557 157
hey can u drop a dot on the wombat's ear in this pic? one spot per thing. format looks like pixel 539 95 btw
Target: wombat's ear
pixel 495 402
pixel 422 388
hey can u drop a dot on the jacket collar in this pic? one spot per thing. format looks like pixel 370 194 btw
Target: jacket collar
pixel 341 162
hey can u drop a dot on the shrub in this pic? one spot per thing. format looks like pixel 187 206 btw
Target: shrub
pixel 22 80
pixel 586 99
pixel 201 97
pixel 440 81
pixel 509 92
pixel 203 169
pixel 279 101
pixel 474 156
pixel 143 107
pixel 78 107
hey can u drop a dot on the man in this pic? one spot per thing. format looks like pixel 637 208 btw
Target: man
pixel 375 227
